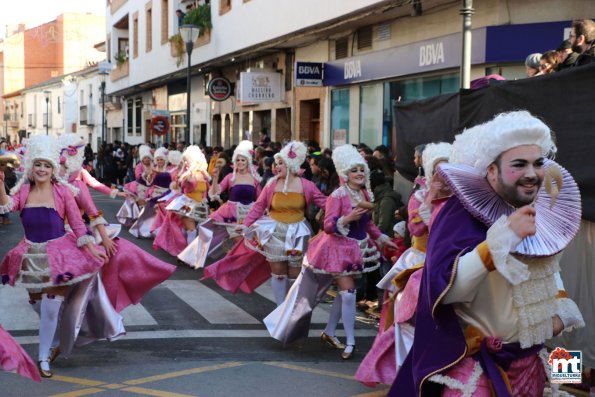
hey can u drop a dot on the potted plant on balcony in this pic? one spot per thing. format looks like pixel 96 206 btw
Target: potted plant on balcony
pixel 201 17
pixel 177 48
pixel 120 58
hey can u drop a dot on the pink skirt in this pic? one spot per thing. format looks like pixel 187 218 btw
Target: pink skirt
pixel 14 358
pixel 527 378
pixel 131 273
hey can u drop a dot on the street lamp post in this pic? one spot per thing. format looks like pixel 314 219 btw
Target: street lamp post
pixel 189 34
pixel 47 95
pixel 102 87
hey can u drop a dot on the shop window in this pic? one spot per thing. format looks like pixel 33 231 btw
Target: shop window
pixel 370 114
pixel 409 90
pixel 339 117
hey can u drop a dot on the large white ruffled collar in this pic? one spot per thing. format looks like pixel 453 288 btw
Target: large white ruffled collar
pixel 556 226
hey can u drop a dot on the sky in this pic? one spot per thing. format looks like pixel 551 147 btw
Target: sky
pixel 37 12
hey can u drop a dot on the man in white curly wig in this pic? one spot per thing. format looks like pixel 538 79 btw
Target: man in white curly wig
pixel 490 293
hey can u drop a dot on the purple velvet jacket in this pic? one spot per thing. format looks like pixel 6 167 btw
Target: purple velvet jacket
pixel 439 342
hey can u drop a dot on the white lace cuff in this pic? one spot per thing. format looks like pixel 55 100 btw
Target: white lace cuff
pixel 425 212
pixel 84 240
pixel 501 240
pixel 114 193
pixel 570 314
pixel 6 208
pixel 98 221
pixel 341 227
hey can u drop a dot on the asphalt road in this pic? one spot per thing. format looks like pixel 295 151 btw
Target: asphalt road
pixel 186 338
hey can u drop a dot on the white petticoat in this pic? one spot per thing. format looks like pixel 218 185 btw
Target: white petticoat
pixel 278 241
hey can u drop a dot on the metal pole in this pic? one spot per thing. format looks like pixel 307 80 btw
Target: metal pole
pixel 103 111
pixel 466 12
pixel 47 115
pixel 189 47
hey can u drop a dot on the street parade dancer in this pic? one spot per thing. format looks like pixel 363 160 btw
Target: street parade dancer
pixel 490 293
pixel 279 238
pixel 137 189
pixel 342 252
pixel 51 259
pixel 130 271
pixel 188 209
pixel 243 188
pixel 159 180
pixel 396 328
pixel 174 165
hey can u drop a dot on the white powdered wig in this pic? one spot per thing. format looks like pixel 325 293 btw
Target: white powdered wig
pixel 174 157
pixel 195 158
pixel 481 145
pixel 345 158
pixel 72 153
pixel 161 153
pixel 293 155
pixel 144 151
pixel 245 149
pixel 433 153
pixel 42 147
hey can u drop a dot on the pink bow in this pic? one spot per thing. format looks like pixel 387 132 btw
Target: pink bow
pixel 493 344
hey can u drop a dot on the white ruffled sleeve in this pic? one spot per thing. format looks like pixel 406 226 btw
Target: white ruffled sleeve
pixel 84 240
pixel 501 240
pixel 342 228
pixel 6 208
pixel 567 309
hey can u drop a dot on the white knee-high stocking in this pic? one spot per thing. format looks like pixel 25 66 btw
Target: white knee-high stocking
pixel 348 315
pixel 334 316
pixel 279 285
pixel 50 314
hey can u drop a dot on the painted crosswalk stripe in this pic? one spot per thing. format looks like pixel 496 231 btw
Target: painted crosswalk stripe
pixel 208 303
pixel 137 315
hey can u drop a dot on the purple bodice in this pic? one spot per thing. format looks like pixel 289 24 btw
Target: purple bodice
pixel 357 229
pixel 42 224
pixel 244 194
pixel 162 179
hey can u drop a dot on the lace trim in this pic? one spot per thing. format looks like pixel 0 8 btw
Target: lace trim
pixel 6 208
pixel 340 192
pixel 467 389
pixel 35 272
pixel 84 240
pixel 535 301
pixel 500 239
pixel 98 221
pixel 342 228
pixel 569 314
pixel 34 285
